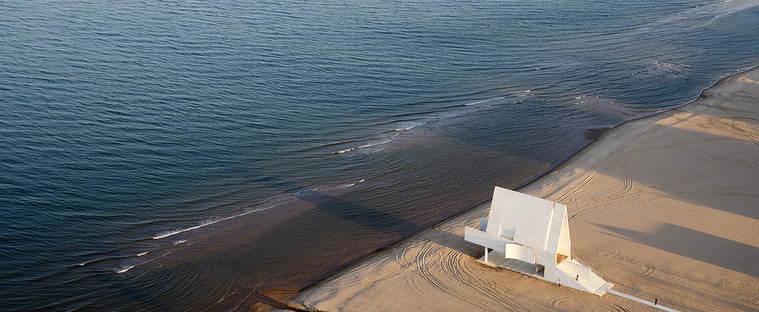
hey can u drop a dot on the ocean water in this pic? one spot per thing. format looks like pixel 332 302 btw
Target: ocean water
pixel 196 155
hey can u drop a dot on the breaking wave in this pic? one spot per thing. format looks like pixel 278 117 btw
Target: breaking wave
pixel 402 129
pixel 270 203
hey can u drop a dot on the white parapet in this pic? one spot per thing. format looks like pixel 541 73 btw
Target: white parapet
pixel 481 238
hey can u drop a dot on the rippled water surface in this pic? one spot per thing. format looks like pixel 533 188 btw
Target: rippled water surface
pixel 189 155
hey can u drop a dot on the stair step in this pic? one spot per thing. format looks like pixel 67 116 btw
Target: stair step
pixel 592 284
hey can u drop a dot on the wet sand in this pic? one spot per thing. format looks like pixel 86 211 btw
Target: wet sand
pixel 665 207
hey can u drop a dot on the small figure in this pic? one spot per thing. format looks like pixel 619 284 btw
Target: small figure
pixel 656 301
pixel 577 278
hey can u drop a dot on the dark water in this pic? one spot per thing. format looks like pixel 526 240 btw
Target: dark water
pixel 187 155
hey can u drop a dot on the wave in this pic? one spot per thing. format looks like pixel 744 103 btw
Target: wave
pixel 341 186
pixel 89 261
pixel 129 262
pixel 412 126
pixel 500 99
pixel 141 254
pixel 696 16
pixel 367 145
pixel 380 141
pixel 606 107
pixel 273 202
pixel 137 255
pixel 202 224
pixel 385 137
pixel 478 102
pixel 521 93
pixel 663 69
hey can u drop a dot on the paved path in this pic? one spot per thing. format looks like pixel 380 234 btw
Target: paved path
pixel 636 299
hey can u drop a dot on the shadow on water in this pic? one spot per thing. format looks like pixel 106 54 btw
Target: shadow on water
pixel 226 266
pixel 369 217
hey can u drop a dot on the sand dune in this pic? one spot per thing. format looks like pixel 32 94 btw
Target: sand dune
pixel 665 207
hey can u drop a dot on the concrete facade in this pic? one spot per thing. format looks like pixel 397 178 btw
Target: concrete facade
pixel 531 235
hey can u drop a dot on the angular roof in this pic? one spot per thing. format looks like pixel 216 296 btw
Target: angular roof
pixel 531 221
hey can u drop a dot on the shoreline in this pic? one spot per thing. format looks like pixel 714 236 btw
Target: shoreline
pixel 602 135
pixel 559 184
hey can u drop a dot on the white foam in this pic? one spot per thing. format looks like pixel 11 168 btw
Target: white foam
pixel 412 126
pixel 205 223
pixel 374 144
pixel 174 232
pixel 367 145
pixel 124 269
pixel 141 254
pixel 477 102
pixel 349 184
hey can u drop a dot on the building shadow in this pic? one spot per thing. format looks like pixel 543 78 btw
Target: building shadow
pixel 697 245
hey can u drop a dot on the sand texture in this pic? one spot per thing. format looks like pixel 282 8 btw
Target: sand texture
pixel 664 207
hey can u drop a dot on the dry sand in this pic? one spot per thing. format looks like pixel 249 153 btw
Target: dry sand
pixel 664 207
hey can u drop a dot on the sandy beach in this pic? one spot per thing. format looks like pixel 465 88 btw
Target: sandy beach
pixel 665 207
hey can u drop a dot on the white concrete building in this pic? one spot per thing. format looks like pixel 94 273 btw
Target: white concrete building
pixel 530 235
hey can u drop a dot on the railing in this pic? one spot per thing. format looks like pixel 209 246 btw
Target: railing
pixel 592 269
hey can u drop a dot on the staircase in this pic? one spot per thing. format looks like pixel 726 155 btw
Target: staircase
pixel 593 283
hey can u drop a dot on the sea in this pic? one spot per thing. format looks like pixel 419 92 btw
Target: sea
pixel 162 155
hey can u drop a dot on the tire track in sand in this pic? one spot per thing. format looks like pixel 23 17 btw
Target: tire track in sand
pixel 447 270
pixel 424 266
pixel 602 204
